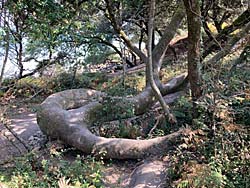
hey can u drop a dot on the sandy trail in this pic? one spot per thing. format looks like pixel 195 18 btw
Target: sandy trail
pixel 22 125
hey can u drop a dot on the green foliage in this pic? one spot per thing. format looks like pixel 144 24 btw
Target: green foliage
pixel 70 81
pixel 1 93
pixel 232 155
pixel 203 177
pixel 98 54
pixel 216 152
pixel 182 109
pixel 25 88
pixel 241 110
pixel 32 172
pixel 116 108
pixel 213 160
pixel 119 89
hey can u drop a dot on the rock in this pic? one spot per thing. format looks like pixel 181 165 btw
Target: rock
pixel 37 141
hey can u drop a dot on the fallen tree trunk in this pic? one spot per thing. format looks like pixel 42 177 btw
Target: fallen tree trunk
pixel 133 70
pixel 67 115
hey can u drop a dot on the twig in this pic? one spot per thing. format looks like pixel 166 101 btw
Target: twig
pixel 33 96
pixel 12 142
pixel 156 124
pixel 16 136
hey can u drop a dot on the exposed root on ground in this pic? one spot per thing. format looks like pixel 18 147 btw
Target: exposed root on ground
pixel 68 115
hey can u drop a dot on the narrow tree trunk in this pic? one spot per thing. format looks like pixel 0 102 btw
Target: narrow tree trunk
pixel 156 90
pixel 168 34
pixel 7 45
pixel 20 60
pixel 194 31
pixel 141 38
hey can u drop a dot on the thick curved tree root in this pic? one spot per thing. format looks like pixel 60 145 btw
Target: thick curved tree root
pixel 68 114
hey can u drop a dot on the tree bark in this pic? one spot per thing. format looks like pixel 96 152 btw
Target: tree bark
pixel 168 34
pixel 194 33
pixel 20 55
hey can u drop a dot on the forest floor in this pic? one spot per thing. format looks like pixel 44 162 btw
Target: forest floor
pixel 21 126
pixel 15 133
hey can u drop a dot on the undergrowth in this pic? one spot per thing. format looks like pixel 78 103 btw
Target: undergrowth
pixel 216 153
pixel 54 171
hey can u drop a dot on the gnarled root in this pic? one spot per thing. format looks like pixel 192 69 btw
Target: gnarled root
pixel 68 114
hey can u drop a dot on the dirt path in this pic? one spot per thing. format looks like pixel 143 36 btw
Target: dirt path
pixel 14 137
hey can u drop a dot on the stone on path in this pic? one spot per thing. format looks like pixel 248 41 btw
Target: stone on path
pixel 151 174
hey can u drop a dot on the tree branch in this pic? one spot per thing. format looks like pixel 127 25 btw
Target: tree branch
pixel 154 87
pixel 245 31
pixel 240 22
pixel 43 64
pixel 169 32
pixel 122 34
pixel 100 40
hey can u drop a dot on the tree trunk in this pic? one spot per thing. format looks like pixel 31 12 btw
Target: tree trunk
pixel 20 57
pixel 194 32
pixel 154 87
pixel 168 34
pixel 7 45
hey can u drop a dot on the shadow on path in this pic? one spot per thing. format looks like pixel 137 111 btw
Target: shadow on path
pixel 24 125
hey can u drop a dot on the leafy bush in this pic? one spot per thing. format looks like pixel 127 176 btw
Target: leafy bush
pixel 115 108
pixel 66 81
pixel 241 110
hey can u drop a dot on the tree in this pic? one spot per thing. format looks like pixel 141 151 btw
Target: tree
pixel 219 13
pixel 6 39
pixel 55 120
pixel 154 87
pixel 115 148
pixel 194 34
pixel 158 52
pixel 38 30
